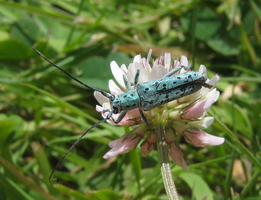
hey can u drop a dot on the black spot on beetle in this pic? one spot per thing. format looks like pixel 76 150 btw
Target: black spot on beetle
pixel 178 77
pixel 125 96
pixel 164 85
pixel 174 82
pixel 166 96
pixel 177 93
pixel 134 104
pixel 131 95
pixel 151 102
pixel 147 89
pixel 189 76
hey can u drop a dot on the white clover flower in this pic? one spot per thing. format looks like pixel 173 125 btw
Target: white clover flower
pixel 185 116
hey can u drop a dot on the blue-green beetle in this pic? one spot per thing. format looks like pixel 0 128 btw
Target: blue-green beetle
pixel 152 94
pixel 145 96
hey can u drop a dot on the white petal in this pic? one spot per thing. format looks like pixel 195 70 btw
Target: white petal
pixel 167 60
pixel 214 80
pixel 148 61
pixel 124 68
pixel 132 70
pixel 137 59
pixel 213 92
pixel 117 73
pixel 157 72
pixel 205 92
pixel 114 89
pixel 100 98
pixel 203 124
pixel 202 69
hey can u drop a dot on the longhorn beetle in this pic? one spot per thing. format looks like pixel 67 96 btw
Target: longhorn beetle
pixel 145 96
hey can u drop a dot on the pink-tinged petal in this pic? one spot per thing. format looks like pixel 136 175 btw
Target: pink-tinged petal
pixel 174 152
pixel 100 98
pixel 117 73
pixel 157 72
pixel 126 121
pixel 148 67
pixel 122 145
pixel 144 63
pixel 104 114
pixel 177 156
pixel 195 111
pixel 161 60
pixel 155 62
pixel 99 108
pixel 184 61
pixel 134 113
pixel 114 89
pixel 149 144
pixel 176 64
pixel 127 142
pixel 200 138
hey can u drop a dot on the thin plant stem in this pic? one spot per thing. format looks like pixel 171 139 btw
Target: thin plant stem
pixel 193 32
pixel 165 165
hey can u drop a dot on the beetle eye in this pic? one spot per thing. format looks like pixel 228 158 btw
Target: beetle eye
pixel 112 98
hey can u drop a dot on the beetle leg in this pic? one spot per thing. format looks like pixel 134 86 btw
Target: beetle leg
pixel 123 113
pixel 136 78
pixel 175 70
pixel 126 82
pixel 143 117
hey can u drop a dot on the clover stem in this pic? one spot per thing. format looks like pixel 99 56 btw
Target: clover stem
pixel 165 165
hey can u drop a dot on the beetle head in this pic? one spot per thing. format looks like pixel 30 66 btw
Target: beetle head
pixel 115 104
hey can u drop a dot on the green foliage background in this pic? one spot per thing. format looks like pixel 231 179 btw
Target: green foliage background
pixel 43 111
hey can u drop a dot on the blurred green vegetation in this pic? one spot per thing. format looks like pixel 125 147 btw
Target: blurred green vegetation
pixel 43 111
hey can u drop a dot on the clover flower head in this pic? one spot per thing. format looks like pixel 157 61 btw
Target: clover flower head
pixel 185 116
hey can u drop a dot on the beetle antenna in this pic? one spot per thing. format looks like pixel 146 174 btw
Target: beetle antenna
pixel 101 91
pixel 74 144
